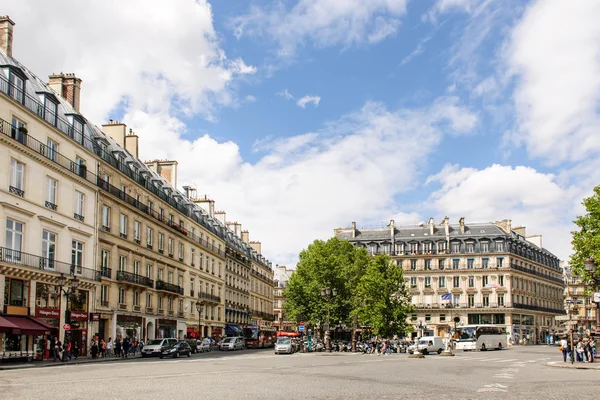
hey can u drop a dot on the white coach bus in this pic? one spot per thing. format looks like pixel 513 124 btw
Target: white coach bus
pixel 480 337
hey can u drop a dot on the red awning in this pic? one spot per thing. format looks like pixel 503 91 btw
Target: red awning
pixel 27 325
pixel 292 334
pixel 6 325
pixel 42 323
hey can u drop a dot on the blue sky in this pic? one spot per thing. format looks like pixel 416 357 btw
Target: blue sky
pixel 301 116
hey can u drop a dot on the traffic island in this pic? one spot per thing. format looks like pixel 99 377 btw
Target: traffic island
pixel 447 353
pixel 416 355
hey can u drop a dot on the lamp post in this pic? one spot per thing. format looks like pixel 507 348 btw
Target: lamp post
pixel 328 294
pixel 590 266
pixel 199 308
pixel 62 281
pixel 416 353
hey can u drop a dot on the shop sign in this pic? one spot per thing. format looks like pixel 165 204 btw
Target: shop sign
pixel 79 316
pixel 52 313
pixel 94 317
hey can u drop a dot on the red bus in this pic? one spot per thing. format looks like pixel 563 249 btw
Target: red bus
pixel 257 338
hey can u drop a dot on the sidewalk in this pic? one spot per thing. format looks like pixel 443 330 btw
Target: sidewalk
pixel 5 366
pixel 576 365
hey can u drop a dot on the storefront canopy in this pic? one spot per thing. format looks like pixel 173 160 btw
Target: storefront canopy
pixel 6 326
pixel 233 330
pixel 291 334
pixel 26 325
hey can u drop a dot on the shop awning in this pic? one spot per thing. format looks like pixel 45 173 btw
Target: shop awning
pixel 6 326
pixel 284 333
pixel 27 325
pixel 233 330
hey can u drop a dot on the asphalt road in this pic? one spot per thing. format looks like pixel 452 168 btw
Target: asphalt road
pixel 515 373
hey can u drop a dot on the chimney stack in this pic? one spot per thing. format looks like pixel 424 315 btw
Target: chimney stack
pixel 6 35
pixel 256 246
pixel 165 168
pixel 245 236
pixel 431 226
pixel 392 229
pixel 67 86
pixel 206 204
pixel 353 229
pixel 221 217
pixel 461 223
pixel 132 143
pixel 114 129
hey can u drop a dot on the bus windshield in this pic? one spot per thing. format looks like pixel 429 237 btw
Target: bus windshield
pixel 251 333
pixel 466 333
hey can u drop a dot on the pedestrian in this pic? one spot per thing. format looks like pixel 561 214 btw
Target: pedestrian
pixel 587 351
pixel 102 348
pixel 125 348
pixel 94 349
pixel 108 347
pixel 117 347
pixel 58 349
pixel 52 348
pixel 69 351
pixel 564 347
pixel 76 350
pixel 579 349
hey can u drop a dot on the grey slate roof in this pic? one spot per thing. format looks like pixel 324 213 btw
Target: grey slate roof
pixel 35 85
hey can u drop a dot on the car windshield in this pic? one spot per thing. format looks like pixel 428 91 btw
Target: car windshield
pixel 423 342
pixel 284 340
pixel 154 342
pixel 228 340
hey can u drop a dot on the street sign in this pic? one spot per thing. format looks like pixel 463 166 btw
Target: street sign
pixel 301 323
pixel 301 328
pixel 597 297
pixel 67 327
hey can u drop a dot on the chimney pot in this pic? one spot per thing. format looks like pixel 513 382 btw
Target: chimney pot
pixel 6 35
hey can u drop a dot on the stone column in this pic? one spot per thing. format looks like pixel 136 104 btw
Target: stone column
pixel 113 328
pixel 2 293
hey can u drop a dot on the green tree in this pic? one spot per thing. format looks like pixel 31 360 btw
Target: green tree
pixel 335 264
pixel 586 241
pixel 381 299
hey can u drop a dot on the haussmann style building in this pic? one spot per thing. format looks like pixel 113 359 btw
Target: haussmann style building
pixel 491 273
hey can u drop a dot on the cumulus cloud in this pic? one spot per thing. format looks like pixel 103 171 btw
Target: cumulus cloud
pixel 139 54
pixel 522 194
pixel 303 101
pixel 322 22
pixel 554 54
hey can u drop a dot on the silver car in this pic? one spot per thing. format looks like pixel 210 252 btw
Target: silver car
pixel 284 345
pixel 232 343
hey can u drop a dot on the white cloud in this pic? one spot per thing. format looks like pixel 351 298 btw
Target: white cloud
pixel 445 6
pixel 522 194
pixel 322 22
pixel 250 99
pixel 554 54
pixel 418 50
pixel 303 101
pixel 285 94
pixel 140 54
pixel 306 185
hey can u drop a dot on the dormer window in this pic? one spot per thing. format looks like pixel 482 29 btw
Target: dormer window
pixel 16 84
pixel 50 109
pixel 77 129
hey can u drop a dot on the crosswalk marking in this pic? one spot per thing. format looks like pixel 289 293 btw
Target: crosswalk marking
pixel 509 360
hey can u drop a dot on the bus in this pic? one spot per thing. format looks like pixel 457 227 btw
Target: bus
pixel 257 338
pixel 479 337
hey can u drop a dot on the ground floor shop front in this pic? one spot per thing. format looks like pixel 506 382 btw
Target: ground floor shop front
pixel 143 327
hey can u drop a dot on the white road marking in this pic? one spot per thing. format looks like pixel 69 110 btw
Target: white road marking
pixel 504 376
pixel 509 360
pixel 490 359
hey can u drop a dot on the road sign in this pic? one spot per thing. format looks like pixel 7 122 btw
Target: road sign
pixel 301 328
pixel 301 323
pixel 67 327
pixel 597 297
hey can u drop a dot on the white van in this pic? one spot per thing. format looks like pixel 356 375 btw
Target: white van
pixel 429 344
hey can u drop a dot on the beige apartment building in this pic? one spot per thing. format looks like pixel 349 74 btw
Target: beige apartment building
pixel 47 211
pixel 261 288
pixel 282 277
pixel 491 273
pixel 581 310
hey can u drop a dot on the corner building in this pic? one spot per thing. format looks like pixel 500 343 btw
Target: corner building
pixel 494 273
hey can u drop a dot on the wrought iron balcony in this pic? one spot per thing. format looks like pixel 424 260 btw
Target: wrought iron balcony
pixel 78 217
pixel 169 287
pixel 209 297
pixel 135 278
pixel 16 191
pixel 104 272
pixel 51 206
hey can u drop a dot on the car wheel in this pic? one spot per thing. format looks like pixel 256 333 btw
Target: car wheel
pixel 439 351
pixel 176 355
pixel 483 347
pixel 189 353
pixel 161 357
pixel 424 352
pixel 499 346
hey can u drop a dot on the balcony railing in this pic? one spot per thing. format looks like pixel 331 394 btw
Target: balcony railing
pixel 209 297
pixel 32 261
pixel 78 217
pixel 104 272
pixel 169 287
pixel 51 206
pixel 134 278
pixel 261 276
pixel 536 273
pixel 18 192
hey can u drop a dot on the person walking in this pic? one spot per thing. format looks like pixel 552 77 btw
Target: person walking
pixel 58 348
pixel 68 351
pixel 76 350
pixel 94 349
pixel 564 346
pixel 125 348
pixel 117 348
pixel 579 349
pixel 108 347
pixel 102 348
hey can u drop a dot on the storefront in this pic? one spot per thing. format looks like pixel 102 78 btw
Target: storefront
pixel 166 328
pixel 18 336
pixel 524 328
pixel 130 326
pixel 78 328
pixel 50 316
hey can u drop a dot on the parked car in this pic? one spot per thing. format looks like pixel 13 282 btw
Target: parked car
pixel 284 345
pixel 181 348
pixel 232 343
pixel 204 345
pixel 428 344
pixel 193 343
pixel 154 347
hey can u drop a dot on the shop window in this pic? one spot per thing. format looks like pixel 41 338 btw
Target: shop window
pixel 16 292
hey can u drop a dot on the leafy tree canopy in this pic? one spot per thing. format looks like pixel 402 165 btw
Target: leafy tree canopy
pixel 586 241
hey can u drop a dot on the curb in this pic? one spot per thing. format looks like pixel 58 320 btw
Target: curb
pixel 557 364
pixel 61 364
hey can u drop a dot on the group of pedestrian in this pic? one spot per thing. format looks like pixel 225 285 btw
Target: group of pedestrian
pixel 63 351
pixel 119 348
pixel 583 350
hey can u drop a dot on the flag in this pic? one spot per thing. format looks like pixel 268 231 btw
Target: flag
pixel 447 296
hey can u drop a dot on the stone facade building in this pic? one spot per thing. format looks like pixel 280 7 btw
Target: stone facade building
pixel 96 242
pixel 282 277
pixel 492 273
pixel 581 310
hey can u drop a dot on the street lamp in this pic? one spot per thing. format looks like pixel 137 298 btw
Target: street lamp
pixel 328 294
pixel 62 281
pixel 416 353
pixel 590 266
pixel 199 308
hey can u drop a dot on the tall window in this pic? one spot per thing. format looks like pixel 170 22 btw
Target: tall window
pixel 149 236
pixel 427 282
pixel 148 300
pixel 17 176
pixel 470 263
pixel 441 264
pixel 105 259
pixel 471 281
pixel 170 249
pixel 149 271
pixel 122 296
pixel 501 280
pixel 77 255
pixel 14 239
pixel 455 263
pixel 48 248
pixel 50 111
pixel 122 263
pixel 499 262
pixel 52 150
pixel 106 217
pixel 470 247
pixel 123 226
pixel 136 267
pixel 456 281
pixel 413 282
pixel 15 132
pixel 77 131
pixel 456 299
pixel 79 205
pixel 136 231
pixel 160 274
pixel 499 246
pixel 136 298
pixel 455 247
pixel 501 299
pixel 201 266
pixel 484 280
pixel 471 300
pixel 442 281
pixel 427 264
pixel 16 292
pixel 18 87
pixel 160 303
pixel 161 242
pixel 192 255
pixel 169 304
pixel 181 251
pixel 150 205
pixel 485 262
pixel 170 277
pixel 51 192
pixel 486 300
pixel 104 295
pixel 485 247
